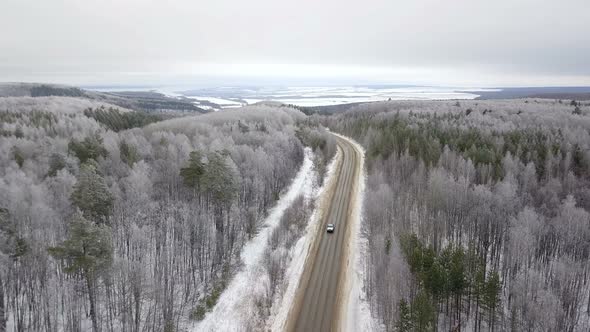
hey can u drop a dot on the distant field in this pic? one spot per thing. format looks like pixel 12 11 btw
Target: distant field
pixel 316 96
pixel 332 99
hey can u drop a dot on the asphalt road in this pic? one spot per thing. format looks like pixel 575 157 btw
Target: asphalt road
pixel 319 291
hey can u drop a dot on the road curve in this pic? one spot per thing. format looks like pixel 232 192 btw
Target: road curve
pixel 317 305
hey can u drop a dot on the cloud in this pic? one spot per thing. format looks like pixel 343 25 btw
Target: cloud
pixel 484 42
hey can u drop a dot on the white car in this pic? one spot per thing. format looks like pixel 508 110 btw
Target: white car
pixel 330 228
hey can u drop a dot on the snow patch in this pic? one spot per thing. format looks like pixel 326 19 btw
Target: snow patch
pixel 219 101
pixel 238 302
pixel 206 107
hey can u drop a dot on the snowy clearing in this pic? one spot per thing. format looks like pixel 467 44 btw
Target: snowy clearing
pixel 237 303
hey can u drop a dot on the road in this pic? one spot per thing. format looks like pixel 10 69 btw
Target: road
pixel 320 293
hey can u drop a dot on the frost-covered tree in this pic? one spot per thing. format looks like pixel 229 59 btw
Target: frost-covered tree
pixel 91 194
pixel 87 252
pixel 192 174
pixel 91 148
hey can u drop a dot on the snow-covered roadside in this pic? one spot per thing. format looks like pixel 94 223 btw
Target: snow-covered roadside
pixel 282 306
pixel 355 309
pixel 238 302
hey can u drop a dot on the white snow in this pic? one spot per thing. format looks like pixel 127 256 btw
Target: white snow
pixel 238 302
pixel 253 101
pixel 280 310
pixel 207 107
pixel 219 101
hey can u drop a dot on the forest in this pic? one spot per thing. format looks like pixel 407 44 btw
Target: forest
pixel 114 220
pixel 477 213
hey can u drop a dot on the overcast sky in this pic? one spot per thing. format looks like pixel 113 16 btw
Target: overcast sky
pixel 454 42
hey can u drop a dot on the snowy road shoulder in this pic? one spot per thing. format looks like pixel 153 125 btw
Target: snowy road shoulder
pixel 237 303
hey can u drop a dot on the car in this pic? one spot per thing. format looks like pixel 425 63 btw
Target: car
pixel 330 228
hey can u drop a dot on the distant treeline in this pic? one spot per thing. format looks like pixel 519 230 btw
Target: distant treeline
pixel 149 101
pixel 47 90
pixel 116 120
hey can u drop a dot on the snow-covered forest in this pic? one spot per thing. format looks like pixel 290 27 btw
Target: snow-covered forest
pixel 114 220
pixel 477 213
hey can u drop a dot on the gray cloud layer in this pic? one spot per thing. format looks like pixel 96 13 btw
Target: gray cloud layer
pixel 476 42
